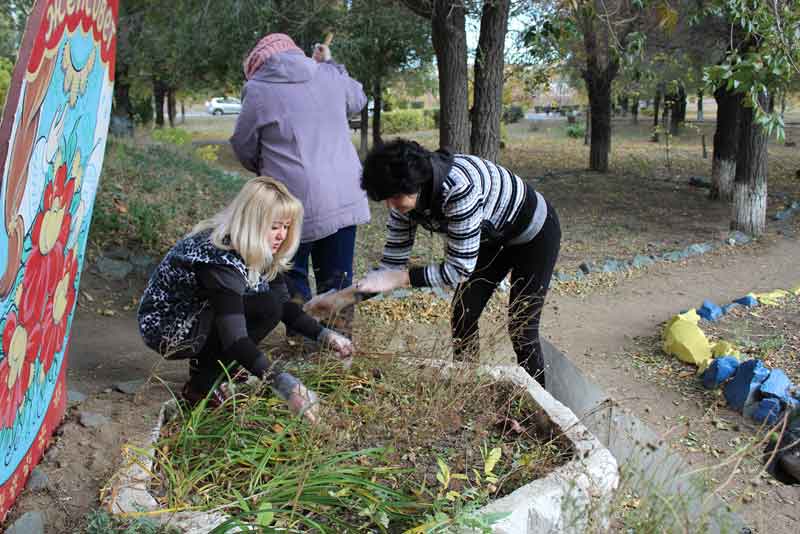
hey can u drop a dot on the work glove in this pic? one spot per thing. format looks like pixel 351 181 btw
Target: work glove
pixel 321 53
pixel 382 280
pixel 336 341
pixel 300 399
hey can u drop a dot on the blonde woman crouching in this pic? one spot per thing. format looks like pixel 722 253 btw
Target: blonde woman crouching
pixel 220 290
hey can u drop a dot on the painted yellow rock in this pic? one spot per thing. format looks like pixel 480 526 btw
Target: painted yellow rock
pixel 796 290
pixel 690 316
pixel 725 348
pixel 685 340
pixel 773 298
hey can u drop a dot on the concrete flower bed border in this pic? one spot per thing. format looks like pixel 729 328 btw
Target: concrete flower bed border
pixel 570 499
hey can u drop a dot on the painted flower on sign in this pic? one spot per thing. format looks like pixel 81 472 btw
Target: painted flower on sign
pixel 57 312
pixel 49 227
pixel 20 346
pixel 45 266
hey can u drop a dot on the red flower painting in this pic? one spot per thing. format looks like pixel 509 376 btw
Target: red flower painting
pixel 45 265
pixel 20 346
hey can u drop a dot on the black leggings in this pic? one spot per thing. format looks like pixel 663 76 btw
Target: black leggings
pixel 531 265
pixel 262 314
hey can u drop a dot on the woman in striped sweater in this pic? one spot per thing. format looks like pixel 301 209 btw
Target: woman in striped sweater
pixel 494 224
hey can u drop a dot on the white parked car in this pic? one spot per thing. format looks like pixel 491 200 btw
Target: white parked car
pixel 223 105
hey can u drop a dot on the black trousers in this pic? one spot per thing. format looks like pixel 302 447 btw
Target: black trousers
pixel 531 266
pixel 262 314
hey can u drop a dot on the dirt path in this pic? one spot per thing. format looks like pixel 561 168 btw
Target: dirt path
pixel 591 330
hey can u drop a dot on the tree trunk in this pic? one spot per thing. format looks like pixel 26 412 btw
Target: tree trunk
pixel 656 106
pixel 364 131
pixel 683 104
pixel 624 104
pixel 726 139
pixel 488 102
pixel 448 32
pixel 159 93
pixel 700 105
pixel 598 85
pixel 635 110
pixel 183 112
pixel 677 110
pixel 674 118
pixel 123 107
pixel 783 104
pixel 587 133
pixel 376 114
pixel 750 186
pixel 171 107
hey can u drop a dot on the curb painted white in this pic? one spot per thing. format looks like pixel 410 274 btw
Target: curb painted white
pixel 573 498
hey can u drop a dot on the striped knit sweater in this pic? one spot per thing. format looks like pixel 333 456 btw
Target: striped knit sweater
pixel 475 191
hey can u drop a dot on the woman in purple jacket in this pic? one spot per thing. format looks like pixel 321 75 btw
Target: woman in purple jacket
pixel 293 126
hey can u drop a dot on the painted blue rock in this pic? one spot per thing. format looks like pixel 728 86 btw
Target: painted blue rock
pixel 738 238
pixel 673 256
pixel 564 277
pixel 747 300
pixel 742 390
pixel 777 386
pixel 640 261
pixel 441 293
pixel 700 181
pixel 783 215
pixel 588 267
pixel 697 249
pixel 709 311
pixel 612 266
pixel 768 411
pixel 720 370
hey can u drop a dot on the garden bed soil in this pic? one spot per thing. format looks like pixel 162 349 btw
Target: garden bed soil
pixel 435 423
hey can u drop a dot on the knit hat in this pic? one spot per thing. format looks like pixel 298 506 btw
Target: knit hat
pixel 267 47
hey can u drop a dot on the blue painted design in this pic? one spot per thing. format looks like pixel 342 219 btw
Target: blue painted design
pixel 84 132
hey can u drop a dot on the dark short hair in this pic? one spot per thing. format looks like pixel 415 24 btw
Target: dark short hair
pixel 398 167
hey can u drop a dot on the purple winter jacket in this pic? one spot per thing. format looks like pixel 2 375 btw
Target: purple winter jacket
pixel 293 127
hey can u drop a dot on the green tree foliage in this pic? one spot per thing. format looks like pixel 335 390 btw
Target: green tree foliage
pixel 765 56
pixel 380 40
pixel 196 45
pixel 13 18
pixel 6 67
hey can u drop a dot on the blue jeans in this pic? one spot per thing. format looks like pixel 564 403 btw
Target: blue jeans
pixel 332 258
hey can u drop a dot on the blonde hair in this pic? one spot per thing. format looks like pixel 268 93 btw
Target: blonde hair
pixel 243 226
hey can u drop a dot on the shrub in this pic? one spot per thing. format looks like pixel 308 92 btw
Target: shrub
pixel 142 110
pixel 174 136
pixel 101 522
pixel 405 120
pixel 208 153
pixel 512 114
pixel 141 201
pixel 433 114
pixel 6 67
pixel 576 131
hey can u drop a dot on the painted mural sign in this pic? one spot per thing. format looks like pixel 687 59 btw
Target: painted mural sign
pixel 52 141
